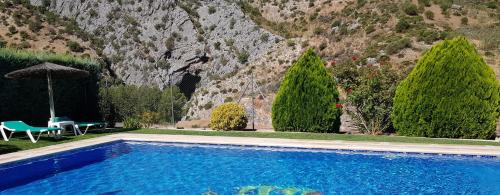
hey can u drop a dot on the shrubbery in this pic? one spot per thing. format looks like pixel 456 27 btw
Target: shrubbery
pixel 132 123
pixel 75 47
pixel 149 118
pixel 228 116
pixel 410 9
pixel 307 98
pixel 450 93
pixel 370 103
pixel 147 104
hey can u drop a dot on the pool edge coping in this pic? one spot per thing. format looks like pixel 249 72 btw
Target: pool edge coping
pixel 449 149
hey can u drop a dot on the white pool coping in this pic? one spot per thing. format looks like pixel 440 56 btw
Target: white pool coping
pixel 253 141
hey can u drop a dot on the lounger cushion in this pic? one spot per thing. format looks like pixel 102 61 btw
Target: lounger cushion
pixel 86 124
pixel 20 126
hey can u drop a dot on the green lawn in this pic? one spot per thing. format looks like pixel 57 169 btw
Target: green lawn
pixel 320 136
pixel 23 143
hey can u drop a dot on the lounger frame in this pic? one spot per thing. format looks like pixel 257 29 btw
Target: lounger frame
pixel 28 132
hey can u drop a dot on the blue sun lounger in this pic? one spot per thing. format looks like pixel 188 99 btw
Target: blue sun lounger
pixel 20 126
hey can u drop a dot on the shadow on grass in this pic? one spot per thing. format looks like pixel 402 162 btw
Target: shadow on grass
pixel 109 130
pixel 8 148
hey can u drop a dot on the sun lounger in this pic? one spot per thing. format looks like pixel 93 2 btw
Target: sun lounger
pixel 19 126
pixel 88 125
pixel 80 125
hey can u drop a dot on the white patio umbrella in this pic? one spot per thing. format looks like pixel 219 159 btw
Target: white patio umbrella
pixel 49 71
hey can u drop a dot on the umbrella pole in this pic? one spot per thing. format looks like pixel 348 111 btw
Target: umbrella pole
pixel 51 96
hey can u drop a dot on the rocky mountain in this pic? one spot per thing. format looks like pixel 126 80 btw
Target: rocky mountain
pixel 230 50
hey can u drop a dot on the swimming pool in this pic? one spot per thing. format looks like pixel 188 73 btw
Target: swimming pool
pixel 127 167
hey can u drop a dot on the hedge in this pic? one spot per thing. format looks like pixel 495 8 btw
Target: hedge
pixel 450 93
pixel 307 98
pixel 27 100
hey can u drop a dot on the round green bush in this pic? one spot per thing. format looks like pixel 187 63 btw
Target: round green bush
pixel 306 100
pixel 228 116
pixel 450 93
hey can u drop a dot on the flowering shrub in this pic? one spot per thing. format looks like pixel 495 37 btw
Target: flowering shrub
pixel 228 116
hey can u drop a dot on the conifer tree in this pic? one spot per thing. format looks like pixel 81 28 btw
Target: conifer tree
pixel 450 93
pixel 307 98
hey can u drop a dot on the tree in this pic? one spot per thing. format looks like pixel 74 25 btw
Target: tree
pixel 166 104
pixel 370 103
pixel 450 93
pixel 307 98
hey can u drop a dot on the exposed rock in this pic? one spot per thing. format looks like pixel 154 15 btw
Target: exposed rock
pixel 371 61
pixel 151 42
pixel 180 42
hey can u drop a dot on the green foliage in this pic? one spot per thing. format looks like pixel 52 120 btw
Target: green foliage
pixel 123 101
pixel 346 74
pixel 429 36
pixel 243 56
pixel 3 43
pixel 426 3
pixel 492 4
pixel 132 123
pixel 370 103
pixel 149 118
pixel 402 26
pixel 410 9
pixel 450 93
pixel 306 100
pixel 165 107
pixel 464 21
pixel 75 47
pixel 211 10
pixel 397 44
pixel 26 100
pixel 429 15
pixel 228 116
pixel 284 29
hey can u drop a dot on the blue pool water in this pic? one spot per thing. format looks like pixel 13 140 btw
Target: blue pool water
pixel 167 168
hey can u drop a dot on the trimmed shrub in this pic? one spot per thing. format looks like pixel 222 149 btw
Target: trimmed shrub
pixel 450 93
pixel 306 100
pixel 228 116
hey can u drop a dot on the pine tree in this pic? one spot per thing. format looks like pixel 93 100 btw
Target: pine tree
pixel 306 100
pixel 450 93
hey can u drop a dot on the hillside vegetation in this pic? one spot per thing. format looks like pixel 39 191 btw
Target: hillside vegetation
pixel 378 30
pixel 34 28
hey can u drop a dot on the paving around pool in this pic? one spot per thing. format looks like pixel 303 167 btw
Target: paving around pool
pixel 127 163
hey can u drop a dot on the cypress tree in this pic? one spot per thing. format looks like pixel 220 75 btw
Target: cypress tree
pixel 306 100
pixel 450 93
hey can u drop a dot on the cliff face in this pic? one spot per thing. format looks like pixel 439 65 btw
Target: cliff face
pixel 150 42
pixel 192 44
